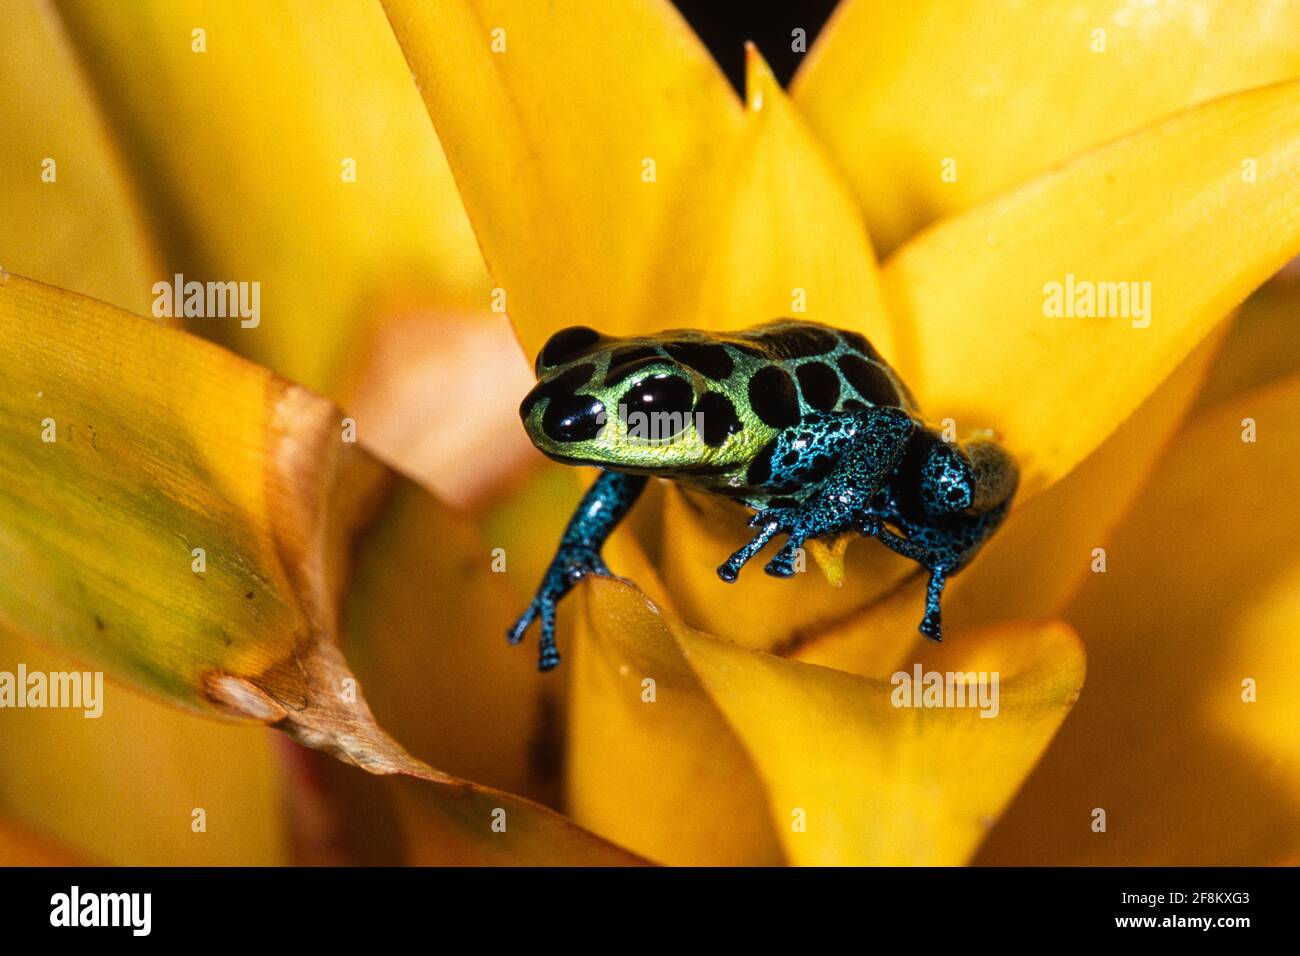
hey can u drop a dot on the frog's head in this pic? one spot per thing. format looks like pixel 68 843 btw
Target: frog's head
pixel 647 404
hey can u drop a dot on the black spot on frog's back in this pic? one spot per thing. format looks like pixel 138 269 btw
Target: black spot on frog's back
pixel 858 342
pixel 795 340
pixel 717 418
pixel 819 384
pixel 773 398
pixel 870 381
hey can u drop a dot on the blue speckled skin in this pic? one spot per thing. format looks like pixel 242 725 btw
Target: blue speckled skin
pixel 863 446
pixel 804 424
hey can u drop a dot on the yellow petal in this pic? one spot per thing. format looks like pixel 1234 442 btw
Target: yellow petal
pixel 853 779
pixel 1260 346
pixel 790 241
pixel 1003 91
pixel 1170 206
pixel 587 141
pixel 1199 596
pixel 355 818
pixel 877 784
pixel 18 847
pixel 651 763
pixel 122 788
pixel 69 218
pixel 291 151
pixel 424 629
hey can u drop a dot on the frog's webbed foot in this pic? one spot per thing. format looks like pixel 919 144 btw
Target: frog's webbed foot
pixel 571 565
pixel 798 524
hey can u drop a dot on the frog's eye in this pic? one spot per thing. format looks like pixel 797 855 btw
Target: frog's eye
pixel 570 418
pixel 566 344
pixel 661 395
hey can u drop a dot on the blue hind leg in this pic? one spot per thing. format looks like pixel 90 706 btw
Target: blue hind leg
pixel 965 491
pixel 939 562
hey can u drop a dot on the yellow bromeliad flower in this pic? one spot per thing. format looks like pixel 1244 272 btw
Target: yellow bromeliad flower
pixel 208 531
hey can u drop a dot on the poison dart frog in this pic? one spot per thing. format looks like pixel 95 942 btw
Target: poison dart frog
pixel 806 425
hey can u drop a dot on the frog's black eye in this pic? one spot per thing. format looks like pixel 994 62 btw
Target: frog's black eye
pixel 660 395
pixel 570 417
pixel 566 344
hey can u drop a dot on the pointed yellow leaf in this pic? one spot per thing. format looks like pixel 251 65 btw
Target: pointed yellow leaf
pixel 790 241
pixel 854 778
pixel 592 205
pixel 930 106
pixel 1192 645
pixel 283 144
pixel 651 763
pixel 1164 215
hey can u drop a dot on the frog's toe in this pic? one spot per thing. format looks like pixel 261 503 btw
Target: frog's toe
pixel 549 655
pixel 782 563
pixel 779 569
pixel 931 627
pixel 516 633
pixel 729 570
pixel 585 563
pixel 542 607
pixel 868 524
pixel 932 623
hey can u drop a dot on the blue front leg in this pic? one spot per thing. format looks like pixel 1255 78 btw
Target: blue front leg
pixel 603 506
